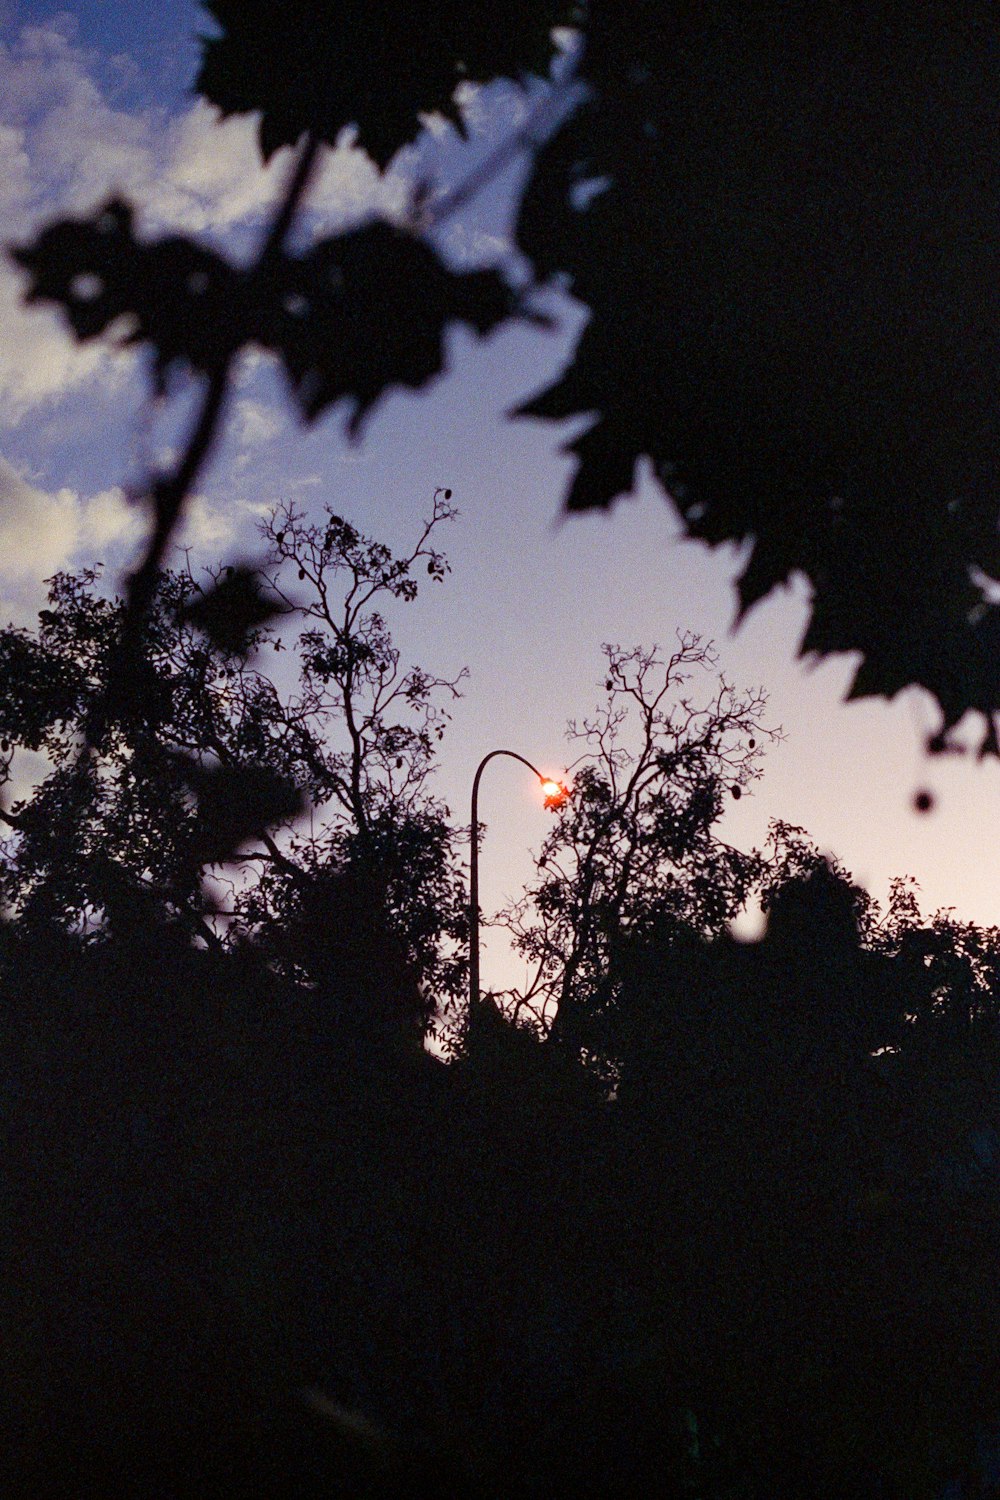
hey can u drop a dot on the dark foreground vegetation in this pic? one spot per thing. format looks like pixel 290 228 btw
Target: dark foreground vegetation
pixel 684 1216
pixel 257 1241
pixel 729 1228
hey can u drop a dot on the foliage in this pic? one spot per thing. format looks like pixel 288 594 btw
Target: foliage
pixel 793 860
pixel 779 220
pixel 219 755
pixel 789 320
pixel 317 311
pixel 637 844
pixel 368 728
pixel 945 971
pixel 422 57
pixel 102 828
pixel 767 1268
pixel 780 225
pixel 818 1149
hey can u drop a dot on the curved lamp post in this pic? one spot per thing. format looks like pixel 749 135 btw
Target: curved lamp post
pixel 555 796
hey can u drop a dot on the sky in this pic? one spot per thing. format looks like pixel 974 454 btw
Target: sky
pixel 96 98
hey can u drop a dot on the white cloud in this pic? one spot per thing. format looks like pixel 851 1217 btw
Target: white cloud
pixel 44 531
pixel 466 246
pixel 254 422
pixel 65 146
pixel 15 172
pixel 259 509
pixel 206 526
pixel 47 531
pixel 39 530
pixel 109 520
pixel 38 358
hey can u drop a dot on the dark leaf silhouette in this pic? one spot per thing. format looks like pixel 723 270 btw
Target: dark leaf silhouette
pixel 234 804
pixel 367 310
pixel 310 67
pixel 233 610
pixel 791 275
pixel 360 312
pixel 184 299
pixel 782 228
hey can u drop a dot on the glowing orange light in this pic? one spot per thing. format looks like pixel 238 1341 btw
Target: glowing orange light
pixel 555 793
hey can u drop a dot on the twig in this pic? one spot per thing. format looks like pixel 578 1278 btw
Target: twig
pixel 170 493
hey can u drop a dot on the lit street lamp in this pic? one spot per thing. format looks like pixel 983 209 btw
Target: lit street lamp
pixel 555 795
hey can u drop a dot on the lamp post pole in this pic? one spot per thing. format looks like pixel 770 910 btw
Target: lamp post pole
pixel 553 798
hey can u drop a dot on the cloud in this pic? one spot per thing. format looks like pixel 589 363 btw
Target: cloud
pixel 258 509
pixel 253 422
pixel 74 146
pixel 466 246
pixel 39 530
pixel 206 526
pixel 110 521
pixel 38 359
pixel 45 531
pixel 65 146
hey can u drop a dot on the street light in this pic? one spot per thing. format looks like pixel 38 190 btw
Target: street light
pixel 555 795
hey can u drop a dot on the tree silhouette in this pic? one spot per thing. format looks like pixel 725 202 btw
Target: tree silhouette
pixel 369 728
pixel 939 973
pixel 825 1170
pixel 219 755
pixel 780 222
pixel 637 842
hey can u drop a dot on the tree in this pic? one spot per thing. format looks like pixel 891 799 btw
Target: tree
pixel 939 975
pixel 636 845
pixel 811 1159
pixel 142 815
pixel 219 755
pixel 369 728
pixel 772 326
pixel 780 224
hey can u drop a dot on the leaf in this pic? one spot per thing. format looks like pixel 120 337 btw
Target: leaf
pixel 186 300
pixel 367 310
pixel 309 66
pixel 232 611
pixel 359 313
pixel 234 804
pixel 39 688
pixel 791 280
